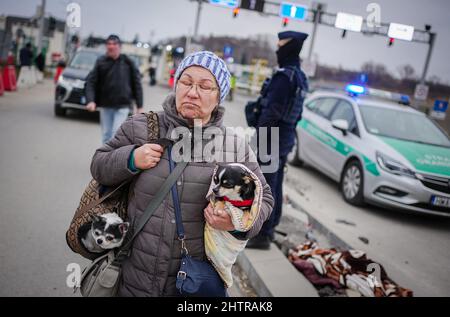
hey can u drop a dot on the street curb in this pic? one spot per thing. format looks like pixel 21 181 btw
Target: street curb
pixel 316 224
pixel 272 275
pixel 256 281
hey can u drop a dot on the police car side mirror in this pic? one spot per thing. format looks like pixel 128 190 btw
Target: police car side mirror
pixel 341 125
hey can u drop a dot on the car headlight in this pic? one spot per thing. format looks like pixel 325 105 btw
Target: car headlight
pixel 392 166
pixel 61 79
pixel 65 81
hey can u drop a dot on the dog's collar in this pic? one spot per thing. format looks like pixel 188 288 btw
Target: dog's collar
pixel 239 203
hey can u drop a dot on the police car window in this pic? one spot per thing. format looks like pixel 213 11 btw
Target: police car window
pixel 403 125
pixel 322 106
pixel 344 111
pixel 312 104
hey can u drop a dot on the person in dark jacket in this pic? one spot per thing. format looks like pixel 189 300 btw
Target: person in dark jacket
pixel 26 55
pixel 40 62
pixel 281 107
pixel 111 86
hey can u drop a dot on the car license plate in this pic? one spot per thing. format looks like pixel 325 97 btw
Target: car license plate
pixel 440 201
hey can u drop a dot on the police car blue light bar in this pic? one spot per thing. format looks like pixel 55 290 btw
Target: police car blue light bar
pixel 355 89
pixel 388 95
pixel 405 100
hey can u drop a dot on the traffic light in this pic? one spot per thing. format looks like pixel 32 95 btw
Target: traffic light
pixel 285 22
pixel 235 12
pixel 391 42
pixel 51 24
pixel 75 39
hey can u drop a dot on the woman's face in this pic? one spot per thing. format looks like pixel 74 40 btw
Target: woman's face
pixel 197 94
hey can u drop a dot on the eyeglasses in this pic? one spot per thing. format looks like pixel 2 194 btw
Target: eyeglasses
pixel 202 88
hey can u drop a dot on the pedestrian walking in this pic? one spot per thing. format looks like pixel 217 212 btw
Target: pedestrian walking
pixel 112 86
pixel 40 62
pixel 26 55
pixel 152 71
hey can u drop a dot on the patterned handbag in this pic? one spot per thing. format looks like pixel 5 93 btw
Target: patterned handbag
pixel 98 200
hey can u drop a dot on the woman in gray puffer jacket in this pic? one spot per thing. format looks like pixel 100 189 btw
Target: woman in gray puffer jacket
pixel 202 82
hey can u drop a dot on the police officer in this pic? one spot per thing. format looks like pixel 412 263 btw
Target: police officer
pixel 281 104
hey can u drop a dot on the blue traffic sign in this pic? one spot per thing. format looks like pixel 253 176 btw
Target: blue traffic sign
pixel 440 106
pixel 226 3
pixel 228 51
pixel 293 11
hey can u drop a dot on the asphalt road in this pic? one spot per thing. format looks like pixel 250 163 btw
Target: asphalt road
pixel 44 167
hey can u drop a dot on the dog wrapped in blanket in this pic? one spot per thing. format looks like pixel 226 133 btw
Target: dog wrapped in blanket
pixel 236 190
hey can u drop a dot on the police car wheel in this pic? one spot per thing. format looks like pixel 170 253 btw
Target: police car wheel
pixel 293 157
pixel 59 111
pixel 352 183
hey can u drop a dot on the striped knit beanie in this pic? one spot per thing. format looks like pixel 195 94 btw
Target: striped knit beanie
pixel 211 62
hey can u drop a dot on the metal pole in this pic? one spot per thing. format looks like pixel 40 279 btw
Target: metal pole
pixel 317 14
pixel 67 38
pixel 427 61
pixel 41 27
pixel 197 19
pixel 188 43
pixel 193 37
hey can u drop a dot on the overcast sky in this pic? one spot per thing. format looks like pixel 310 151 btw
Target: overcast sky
pixel 170 18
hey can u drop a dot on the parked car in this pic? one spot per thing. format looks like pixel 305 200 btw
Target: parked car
pixel 69 91
pixel 380 151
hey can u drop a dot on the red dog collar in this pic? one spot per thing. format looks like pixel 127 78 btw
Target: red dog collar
pixel 239 203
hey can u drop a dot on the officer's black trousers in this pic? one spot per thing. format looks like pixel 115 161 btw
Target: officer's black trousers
pixel 275 181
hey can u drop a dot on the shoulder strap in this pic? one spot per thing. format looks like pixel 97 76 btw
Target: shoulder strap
pixel 177 207
pixel 128 60
pixel 156 202
pixel 152 125
pixel 303 80
pixel 290 72
pixel 176 203
pixel 87 208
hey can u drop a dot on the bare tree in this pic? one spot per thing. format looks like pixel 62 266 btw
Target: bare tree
pixel 406 72
pixel 435 80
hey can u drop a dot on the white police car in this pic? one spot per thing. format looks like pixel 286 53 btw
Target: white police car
pixel 380 151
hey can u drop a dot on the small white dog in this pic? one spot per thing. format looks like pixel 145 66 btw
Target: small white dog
pixel 106 232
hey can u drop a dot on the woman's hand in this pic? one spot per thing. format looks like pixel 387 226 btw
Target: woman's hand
pixel 147 156
pixel 218 219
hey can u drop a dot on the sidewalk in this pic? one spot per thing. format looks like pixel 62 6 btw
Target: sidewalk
pixel 272 275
